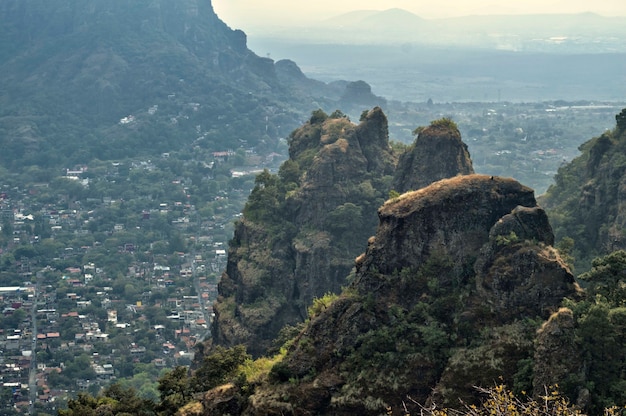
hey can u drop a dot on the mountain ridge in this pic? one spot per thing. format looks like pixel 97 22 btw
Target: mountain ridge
pixel 74 71
pixel 530 32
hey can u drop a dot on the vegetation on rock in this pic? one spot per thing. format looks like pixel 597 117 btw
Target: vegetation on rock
pixel 586 202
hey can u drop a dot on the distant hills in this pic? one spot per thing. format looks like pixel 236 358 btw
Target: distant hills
pixel 525 58
pixel 563 32
pixel 112 79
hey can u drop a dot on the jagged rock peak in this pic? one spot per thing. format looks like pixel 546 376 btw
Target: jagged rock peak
pixel 438 152
pixel 452 216
pixel 435 266
pixel 335 137
pixel 283 257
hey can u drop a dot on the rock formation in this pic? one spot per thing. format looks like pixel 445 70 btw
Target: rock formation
pixel 324 203
pixel 587 203
pixel 437 153
pixel 337 174
pixel 426 315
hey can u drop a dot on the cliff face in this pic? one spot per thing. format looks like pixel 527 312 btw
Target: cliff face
pixel 279 261
pixel 437 153
pixel 323 204
pixel 441 301
pixel 588 201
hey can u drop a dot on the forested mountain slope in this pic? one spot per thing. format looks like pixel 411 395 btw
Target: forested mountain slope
pixel 587 203
pixel 104 79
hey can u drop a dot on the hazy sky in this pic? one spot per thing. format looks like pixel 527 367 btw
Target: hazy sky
pixel 247 14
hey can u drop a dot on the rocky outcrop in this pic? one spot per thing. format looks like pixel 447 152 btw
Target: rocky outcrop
pixel 324 202
pixel 326 196
pixel 536 270
pixel 587 203
pixel 290 74
pixel 437 153
pixel 426 313
pixel 358 94
pixel 557 357
pixel 451 217
pixel 338 173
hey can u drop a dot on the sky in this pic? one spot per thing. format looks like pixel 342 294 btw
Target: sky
pixel 249 14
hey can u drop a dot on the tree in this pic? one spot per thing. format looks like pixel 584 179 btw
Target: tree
pixel 174 390
pixel 446 122
pixel 621 121
pixel 318 116
pixel 219 368
pixel 115 400
pixel 127 401
pixel 176 242
pixel 607 278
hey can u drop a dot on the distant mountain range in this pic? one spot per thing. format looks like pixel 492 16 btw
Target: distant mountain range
pixel 584 31
pixel 473 58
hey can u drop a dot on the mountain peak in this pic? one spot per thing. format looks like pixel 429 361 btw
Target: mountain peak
pixel 437 153
pixel 434 294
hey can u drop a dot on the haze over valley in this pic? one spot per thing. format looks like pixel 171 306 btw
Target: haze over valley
pixel 473 58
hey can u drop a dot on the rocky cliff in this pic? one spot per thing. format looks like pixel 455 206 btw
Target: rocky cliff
pixel 587 203
pixel 303 228
pixel 322 203
pixel 446 296
pixel 437 153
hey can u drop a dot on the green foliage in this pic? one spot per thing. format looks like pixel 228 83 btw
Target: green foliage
pixel 338 114
pixel 607 278
pixel 566 247
pixel 505 240
pixel 386 358
pixel 444 122
pixel 601 347
pixel 600 330
pixel 572 204
pixel 265 199
pixel 289 172
pixel 318 116
pixel 418 130
pixel 114 400
pixel 321 304
pixel 220 367
pixel 399 148
pixel 345 217
pixel 175 391
pixel 280 372
pixel 393 194
pixel 621 121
